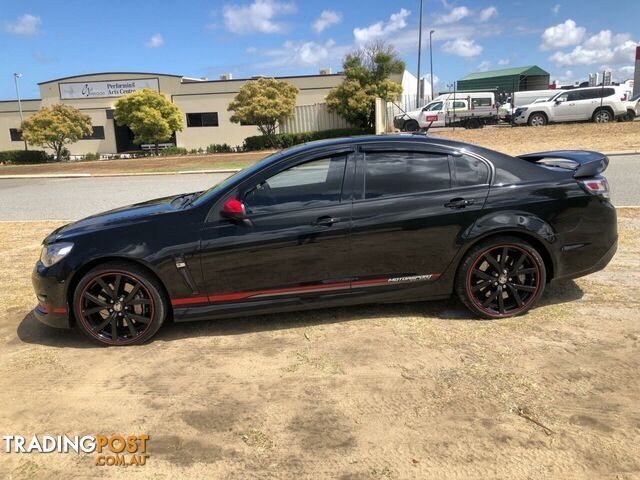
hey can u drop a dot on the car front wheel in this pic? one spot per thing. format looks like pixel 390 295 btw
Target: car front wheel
pixel 537 120
pixel 501 277
pixel 118 303
pixel 411 126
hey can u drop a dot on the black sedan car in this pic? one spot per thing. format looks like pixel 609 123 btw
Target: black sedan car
pixel 339 222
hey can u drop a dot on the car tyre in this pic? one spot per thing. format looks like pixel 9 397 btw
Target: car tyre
pixel 119 303
pixel 602 116
pixel 629 116
pixel 537 119
pixel 501 277
pixel 411 126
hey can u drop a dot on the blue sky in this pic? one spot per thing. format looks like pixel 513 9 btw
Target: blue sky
pixel 48 39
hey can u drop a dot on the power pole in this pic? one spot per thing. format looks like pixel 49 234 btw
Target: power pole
pixel 419 57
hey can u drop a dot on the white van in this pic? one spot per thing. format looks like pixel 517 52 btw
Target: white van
pixel 466 109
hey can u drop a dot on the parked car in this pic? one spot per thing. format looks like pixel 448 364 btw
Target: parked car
pixel 580 104
pixel 338 222
pixel 469 110
pixel 633 108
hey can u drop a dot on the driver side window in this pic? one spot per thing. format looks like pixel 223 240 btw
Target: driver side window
pixel 310 184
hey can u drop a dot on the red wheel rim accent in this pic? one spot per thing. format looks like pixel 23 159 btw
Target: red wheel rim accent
pixel 503 280
pixel 105 301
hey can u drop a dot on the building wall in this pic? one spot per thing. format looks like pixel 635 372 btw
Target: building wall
pixel 190 96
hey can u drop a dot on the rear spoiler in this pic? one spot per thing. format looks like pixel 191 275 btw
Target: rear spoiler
pixel 583 162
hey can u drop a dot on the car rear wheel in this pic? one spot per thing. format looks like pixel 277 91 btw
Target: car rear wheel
pixel 118 303
pixel 501 277
pixel 411 126
pixel 629 116
pixel 602 116
pixel 537 120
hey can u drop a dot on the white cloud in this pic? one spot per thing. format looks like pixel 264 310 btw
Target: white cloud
pixel 302 54
pixel 556 8
pixel 504 61
pixel 562 35
pixel 603 47
pixel 326 19
pixel 26 24
pixel 397 21
pixel 462 47
pixel 455 15
pixel 257 17
pixel 487 13
pixel 484 66
pixel 155 41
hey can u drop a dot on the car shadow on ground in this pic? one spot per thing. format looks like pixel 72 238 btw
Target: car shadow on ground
pixel 31 331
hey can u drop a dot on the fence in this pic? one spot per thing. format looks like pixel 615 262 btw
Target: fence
pixel 313 118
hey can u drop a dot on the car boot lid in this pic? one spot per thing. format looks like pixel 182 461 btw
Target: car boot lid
pixel 584 163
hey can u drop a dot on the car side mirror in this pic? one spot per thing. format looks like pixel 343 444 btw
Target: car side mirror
pixel 560 100
pixel 234 209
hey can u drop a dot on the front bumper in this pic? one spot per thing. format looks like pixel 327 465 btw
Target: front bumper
pixel 52 308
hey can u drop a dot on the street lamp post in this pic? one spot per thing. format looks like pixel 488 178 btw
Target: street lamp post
pixel 419 57
pixel 16 76
pixel 431 60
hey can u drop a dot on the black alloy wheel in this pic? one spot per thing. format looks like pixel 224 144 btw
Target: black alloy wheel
pixel 501 279
pixel 119 306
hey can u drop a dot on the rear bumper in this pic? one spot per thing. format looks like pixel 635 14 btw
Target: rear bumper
pixel 52 308
pixel 599 265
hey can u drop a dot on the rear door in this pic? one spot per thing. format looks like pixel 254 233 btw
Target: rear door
pixel 411 202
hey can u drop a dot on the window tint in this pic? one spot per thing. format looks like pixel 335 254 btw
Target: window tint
pixel 459 104
pixel 434 107
pixel 15 134
pixel 470 171
pixel 573 96
pixel 207 119
pixel 589 94
pixel 481 102
pixel 312 183
pixel 606 92
pixel 400 173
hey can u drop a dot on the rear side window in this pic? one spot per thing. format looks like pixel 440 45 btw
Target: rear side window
pixel 470 171
pixel 481 102
pixel 390 174
pixel 589 94
pixel 607 92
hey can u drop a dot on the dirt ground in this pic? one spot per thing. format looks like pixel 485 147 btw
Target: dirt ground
pixel 513 141
pixel 611 137
pixel 374 392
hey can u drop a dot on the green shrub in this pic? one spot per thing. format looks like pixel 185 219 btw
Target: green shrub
pixel 219 148
pixel 92 156
pixel 171 151
pixel 24 156
pixel 285 140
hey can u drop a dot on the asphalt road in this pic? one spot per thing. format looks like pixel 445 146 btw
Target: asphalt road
pixel 73 198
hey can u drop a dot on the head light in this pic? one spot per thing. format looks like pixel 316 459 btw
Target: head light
pixel 54 252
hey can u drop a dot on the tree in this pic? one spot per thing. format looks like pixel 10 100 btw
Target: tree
pixel 55 127
pixel 150 115
pixel 367 72
pixel 264 102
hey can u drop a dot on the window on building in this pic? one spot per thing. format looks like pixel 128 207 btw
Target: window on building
pixel 402 173
pixel 470 171
pixel 98 133
pixel 15 134
pixel 207 119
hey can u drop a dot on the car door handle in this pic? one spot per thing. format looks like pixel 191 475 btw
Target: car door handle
pixel 459 203
pixel 325 221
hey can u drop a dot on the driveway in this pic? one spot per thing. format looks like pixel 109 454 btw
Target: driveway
pixel 74 198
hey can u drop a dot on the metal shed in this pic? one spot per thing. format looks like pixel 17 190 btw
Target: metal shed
pixel 506 80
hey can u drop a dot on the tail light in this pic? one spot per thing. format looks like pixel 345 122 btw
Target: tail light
pixel 596 186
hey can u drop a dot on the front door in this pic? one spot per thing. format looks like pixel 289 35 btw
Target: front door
pixel 294 243
pixel 409 210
